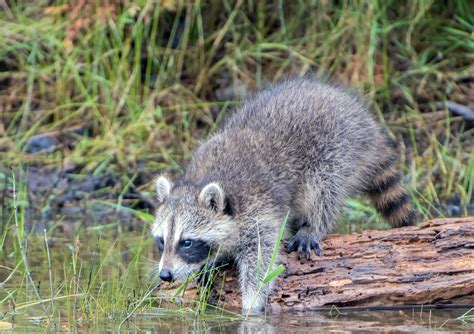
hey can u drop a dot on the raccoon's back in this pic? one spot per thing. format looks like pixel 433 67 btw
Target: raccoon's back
pixel 306 119
pixel 285 131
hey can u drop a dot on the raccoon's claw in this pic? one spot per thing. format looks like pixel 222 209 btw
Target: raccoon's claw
pixel 304 242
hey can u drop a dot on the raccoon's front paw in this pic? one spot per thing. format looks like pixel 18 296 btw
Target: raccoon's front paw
pixel 255 326
pixel 253 311
pixel 304 241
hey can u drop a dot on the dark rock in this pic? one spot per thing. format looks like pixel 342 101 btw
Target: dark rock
pixel 39 143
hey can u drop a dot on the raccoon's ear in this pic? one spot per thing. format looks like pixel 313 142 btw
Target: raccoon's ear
pixel 163 188
pixel 212 197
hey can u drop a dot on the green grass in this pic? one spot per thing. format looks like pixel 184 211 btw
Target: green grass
pixel 141 83
pixel 466 317
pixel 131 91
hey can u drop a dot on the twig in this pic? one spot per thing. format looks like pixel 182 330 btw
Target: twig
pixel 49 270
pixel 76 294
pixel 7 10
pixel 457 109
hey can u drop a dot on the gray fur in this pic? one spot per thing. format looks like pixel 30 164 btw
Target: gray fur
pixel 301 146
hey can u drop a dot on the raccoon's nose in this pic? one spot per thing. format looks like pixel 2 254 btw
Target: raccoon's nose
pixel 166 275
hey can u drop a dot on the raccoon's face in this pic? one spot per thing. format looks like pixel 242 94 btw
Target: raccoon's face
pixel 192 228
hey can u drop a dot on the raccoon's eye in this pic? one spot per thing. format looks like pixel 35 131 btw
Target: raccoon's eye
pixel 160 243
pixel 187 243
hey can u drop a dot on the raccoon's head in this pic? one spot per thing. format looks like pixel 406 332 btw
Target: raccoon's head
pixel 192 227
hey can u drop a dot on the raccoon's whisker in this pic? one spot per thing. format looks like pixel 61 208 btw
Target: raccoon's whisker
pixel 153 274
pixel 152 268
pixel 150 260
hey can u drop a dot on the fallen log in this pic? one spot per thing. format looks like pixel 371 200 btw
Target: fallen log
pixel 424 265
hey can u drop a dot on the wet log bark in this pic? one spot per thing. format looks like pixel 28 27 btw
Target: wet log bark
pixel 424 265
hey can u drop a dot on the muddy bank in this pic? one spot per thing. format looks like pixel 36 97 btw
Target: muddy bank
pixel 52 195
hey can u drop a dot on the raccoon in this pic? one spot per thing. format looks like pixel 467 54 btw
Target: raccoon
pixel 294 152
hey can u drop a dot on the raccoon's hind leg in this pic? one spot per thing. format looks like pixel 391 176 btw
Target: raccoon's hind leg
pixel 388 195
pixel 316 207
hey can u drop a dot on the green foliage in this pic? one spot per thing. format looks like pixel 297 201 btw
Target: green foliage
pixel 142 84
pixel 134 87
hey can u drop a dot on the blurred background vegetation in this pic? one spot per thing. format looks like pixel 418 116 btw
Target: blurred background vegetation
pixel 97 97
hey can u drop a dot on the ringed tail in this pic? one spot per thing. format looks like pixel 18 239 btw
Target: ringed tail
pixel 389 196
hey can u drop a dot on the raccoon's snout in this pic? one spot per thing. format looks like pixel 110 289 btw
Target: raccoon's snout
pixel 166 275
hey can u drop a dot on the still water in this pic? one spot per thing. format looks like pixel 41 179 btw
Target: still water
pixel 156 320
pixel 100 279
